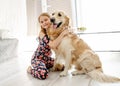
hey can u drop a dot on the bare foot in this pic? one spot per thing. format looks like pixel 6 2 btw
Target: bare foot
pixel 29 69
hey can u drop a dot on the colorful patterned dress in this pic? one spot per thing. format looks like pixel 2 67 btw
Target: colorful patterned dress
pixel 41 60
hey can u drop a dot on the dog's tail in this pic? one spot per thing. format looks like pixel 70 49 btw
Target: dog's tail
pixel 101 77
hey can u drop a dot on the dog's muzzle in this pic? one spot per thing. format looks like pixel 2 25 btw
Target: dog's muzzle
pixel 58 25
pixel 55 25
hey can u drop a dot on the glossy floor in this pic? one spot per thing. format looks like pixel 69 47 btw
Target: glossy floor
pixel 13 72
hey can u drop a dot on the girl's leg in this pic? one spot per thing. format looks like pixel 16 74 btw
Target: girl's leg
pixel 39 69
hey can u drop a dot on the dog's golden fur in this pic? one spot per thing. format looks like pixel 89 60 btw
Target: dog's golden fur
pixel 76 52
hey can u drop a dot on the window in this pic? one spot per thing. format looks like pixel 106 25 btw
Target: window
pixel 98 15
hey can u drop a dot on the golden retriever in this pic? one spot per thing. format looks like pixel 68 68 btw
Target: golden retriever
pixel 76 52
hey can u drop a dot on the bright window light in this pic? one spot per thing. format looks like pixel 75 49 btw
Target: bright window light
pixel 98 15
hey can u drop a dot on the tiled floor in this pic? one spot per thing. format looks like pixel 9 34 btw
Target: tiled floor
pixel 13 72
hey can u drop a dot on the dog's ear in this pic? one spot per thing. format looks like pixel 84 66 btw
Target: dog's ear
pixel 67 21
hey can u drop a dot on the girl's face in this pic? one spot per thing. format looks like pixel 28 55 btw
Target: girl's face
pixel 45 22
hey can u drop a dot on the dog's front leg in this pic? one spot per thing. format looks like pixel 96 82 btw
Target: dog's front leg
pixel 67 63
pixel 58 66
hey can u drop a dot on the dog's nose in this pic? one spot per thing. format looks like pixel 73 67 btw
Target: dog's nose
pixel 52 20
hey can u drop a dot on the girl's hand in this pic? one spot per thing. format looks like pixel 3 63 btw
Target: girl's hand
pixel 41 34
pixel 53 44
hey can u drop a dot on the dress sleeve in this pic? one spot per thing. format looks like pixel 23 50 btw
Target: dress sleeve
pixel 46 39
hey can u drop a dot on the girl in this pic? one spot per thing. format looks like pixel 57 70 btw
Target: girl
pixel 41 60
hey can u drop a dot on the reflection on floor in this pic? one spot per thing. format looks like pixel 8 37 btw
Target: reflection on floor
pixel 13 72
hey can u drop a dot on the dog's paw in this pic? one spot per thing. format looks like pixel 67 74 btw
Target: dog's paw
pixel 58 67
pixel 52 69
pixel 63 74
pixel 74 73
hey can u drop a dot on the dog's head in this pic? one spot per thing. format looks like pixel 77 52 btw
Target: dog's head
pixel 59 20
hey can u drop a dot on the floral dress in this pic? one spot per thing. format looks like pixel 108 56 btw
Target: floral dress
pixel 41 60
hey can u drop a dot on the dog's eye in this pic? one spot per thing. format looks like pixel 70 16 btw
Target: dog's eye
pixel 53 14
pixel 59 14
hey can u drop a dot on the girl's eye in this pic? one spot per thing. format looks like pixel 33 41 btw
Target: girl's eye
pixel 45 20
pixel 41 22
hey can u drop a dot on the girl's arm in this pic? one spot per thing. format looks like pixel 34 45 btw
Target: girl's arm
pixel 53 44
pixel 41 34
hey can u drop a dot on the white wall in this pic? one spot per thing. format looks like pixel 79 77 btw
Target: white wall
pixel 13 16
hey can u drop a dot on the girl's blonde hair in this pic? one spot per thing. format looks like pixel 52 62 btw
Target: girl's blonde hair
pixel 43 14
